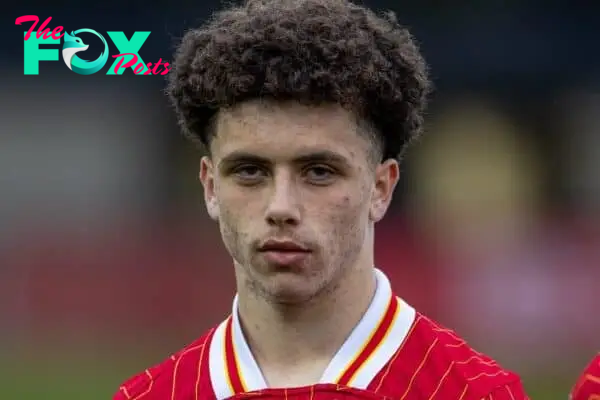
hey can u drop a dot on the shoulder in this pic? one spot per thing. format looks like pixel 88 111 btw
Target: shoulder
pixel 448 366
pixel 588 383
pixel 158 381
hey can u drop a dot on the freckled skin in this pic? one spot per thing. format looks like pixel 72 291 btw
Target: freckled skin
pixel 329 206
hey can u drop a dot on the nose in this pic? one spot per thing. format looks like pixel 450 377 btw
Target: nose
pixel 283 208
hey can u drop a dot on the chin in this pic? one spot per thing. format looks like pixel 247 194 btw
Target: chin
pixel 289 288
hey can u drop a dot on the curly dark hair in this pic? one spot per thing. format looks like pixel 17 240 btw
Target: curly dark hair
pixel 312 51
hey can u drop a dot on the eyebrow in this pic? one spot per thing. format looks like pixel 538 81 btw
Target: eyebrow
pixel 323 156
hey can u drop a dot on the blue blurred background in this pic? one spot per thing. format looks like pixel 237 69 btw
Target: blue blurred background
pixel 108 262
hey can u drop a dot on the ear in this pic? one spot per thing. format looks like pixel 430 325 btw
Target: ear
pixel 386 178
pixel 207 178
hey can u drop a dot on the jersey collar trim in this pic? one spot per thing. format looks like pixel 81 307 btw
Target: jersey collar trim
pixel 370 346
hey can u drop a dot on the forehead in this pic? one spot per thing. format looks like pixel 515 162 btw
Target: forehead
pixel 282 129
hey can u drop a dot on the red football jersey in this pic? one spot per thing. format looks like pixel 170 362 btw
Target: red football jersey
pixel 393 353
pixel 588 385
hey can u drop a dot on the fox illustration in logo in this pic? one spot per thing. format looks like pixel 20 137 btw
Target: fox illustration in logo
pixel 73 44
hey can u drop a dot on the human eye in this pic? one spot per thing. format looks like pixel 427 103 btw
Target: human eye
pixel 319 174
pixel 249 173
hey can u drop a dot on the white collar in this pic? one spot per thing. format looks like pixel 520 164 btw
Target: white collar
pixel 370 346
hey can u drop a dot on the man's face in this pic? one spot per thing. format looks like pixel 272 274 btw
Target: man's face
pixel 296 192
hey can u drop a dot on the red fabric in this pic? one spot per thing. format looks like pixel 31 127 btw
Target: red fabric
pixel 183 376
pixel 588 384
pixel 433 363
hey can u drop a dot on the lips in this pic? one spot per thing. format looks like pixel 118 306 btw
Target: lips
pixel 282 245
pixel 284 252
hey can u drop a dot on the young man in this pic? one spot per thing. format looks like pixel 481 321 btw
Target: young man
pixel 305 107
pixel 588 384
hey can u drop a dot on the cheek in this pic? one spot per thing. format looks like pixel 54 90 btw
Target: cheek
pixel 228 226
pixel 344 219
pixel 232 204
pixel 234 225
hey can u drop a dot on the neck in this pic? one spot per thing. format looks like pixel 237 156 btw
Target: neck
pixel 283 337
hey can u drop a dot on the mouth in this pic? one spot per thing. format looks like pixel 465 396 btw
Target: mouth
pixel 284 252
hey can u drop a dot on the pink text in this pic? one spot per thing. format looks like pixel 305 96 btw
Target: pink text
pixel 139 68
pixel 42 30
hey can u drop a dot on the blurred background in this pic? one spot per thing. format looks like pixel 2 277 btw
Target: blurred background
pixel 108 262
